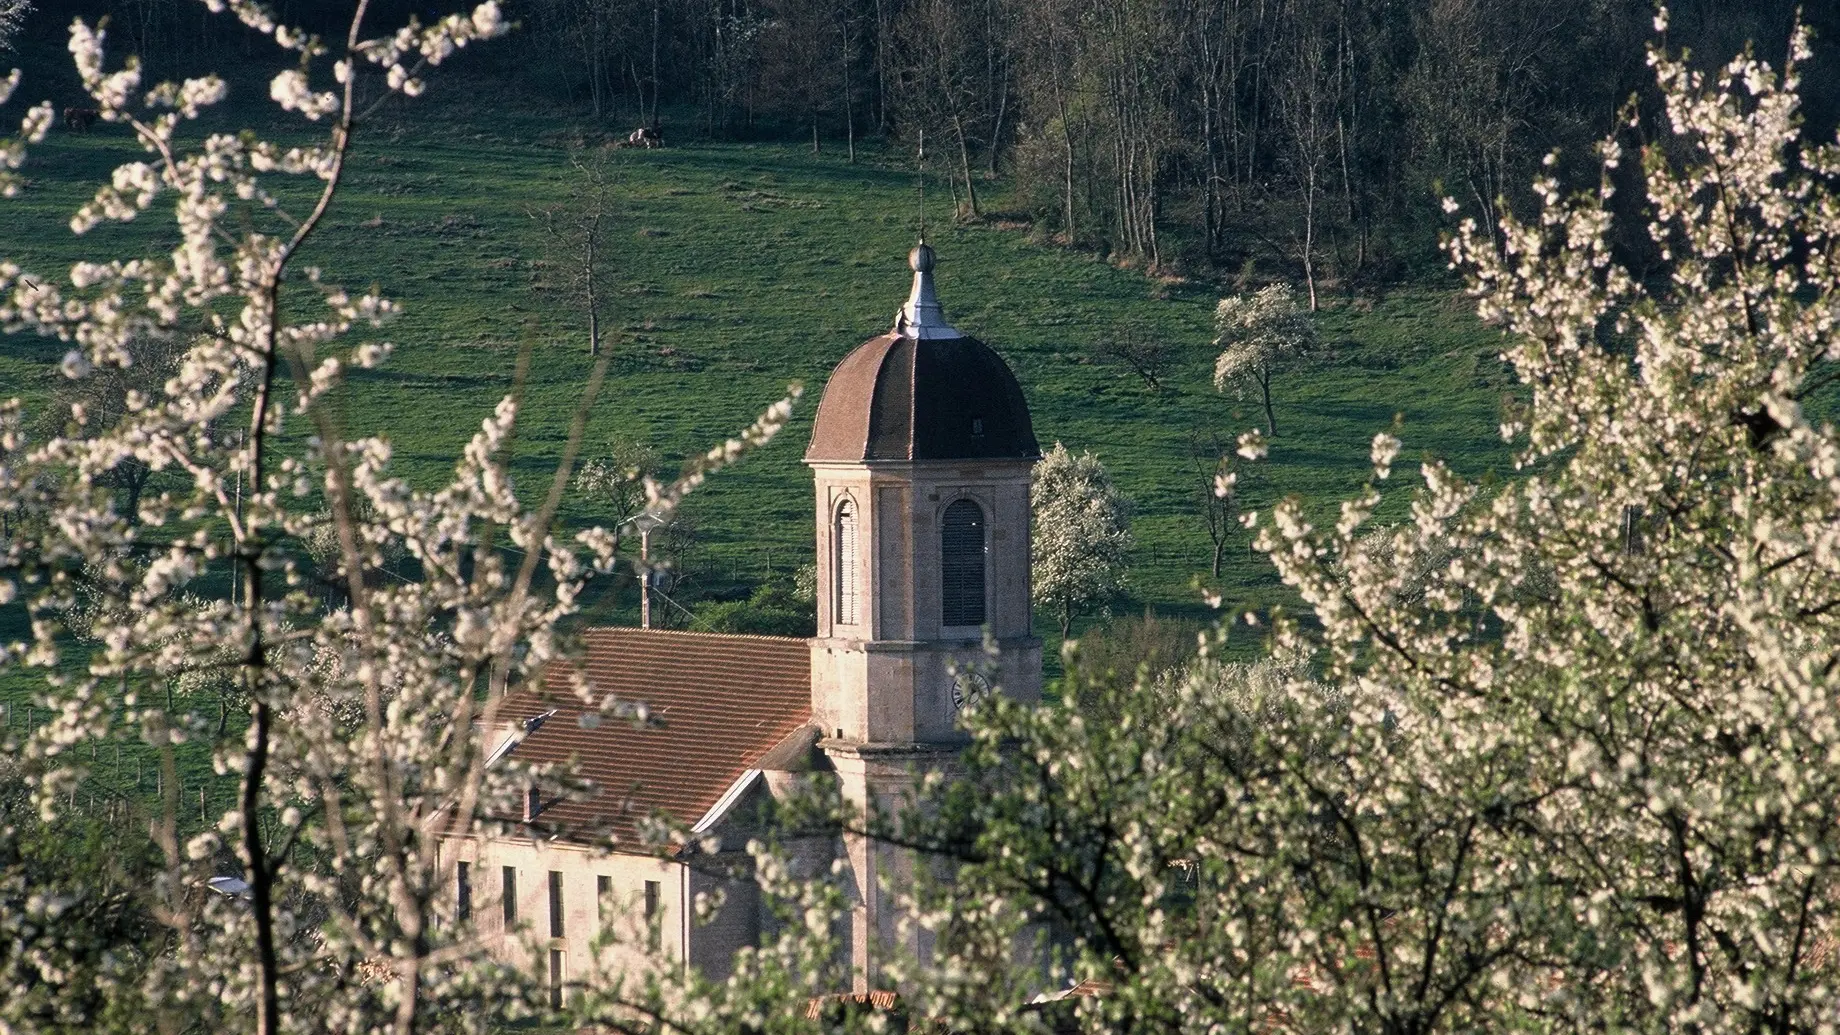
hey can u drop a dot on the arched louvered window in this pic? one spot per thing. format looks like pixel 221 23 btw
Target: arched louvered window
pixel 961 562
pixel 849 596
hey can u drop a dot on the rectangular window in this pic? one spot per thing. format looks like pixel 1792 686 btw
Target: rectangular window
pixel 556 976
pixel 555 904
pixel 652 895
pixel 848 597
pixel 961 572
pixel 509 874
pixel 463 893
pixel 603 890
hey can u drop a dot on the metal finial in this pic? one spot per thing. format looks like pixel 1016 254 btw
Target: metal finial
pixel 923 316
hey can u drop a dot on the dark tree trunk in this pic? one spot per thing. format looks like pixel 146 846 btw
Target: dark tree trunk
pixel 1271 421
pixel 134 480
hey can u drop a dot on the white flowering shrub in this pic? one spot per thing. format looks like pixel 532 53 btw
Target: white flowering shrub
pixel 1557 755
pixel 12 19
pixel 1260 335
pixel 1080 537
pixel 616 482
pixel 1620 764
pixel 358 751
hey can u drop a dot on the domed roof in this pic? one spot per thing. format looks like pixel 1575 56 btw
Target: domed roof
pixel 923 391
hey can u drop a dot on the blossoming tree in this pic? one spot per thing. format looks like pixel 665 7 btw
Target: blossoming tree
pixel 12 19
pixel 1566 757
pixel 1080 537
pixel 1259 335
pixel 1563 756
pixel 359 749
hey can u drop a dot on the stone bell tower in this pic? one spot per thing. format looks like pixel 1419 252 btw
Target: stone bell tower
pixel 921 453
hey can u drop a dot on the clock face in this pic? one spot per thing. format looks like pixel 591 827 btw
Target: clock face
pixel 968 688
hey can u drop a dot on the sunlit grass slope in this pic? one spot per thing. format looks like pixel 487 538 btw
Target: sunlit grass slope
pixel 740 269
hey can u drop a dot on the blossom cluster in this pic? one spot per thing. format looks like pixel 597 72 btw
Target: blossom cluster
pixel 1551 754
pixel 1080 536
pixel 374 626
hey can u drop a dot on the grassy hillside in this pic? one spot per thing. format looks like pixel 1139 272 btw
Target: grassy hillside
pixel 743 268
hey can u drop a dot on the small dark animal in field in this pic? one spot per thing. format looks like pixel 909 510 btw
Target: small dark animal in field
pixel 80 118
pixel 645 136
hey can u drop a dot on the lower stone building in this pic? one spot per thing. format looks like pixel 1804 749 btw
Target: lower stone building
pixel 921 454
pixel 722 711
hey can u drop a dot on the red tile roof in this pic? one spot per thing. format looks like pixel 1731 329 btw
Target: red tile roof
pixel 875 999
pixel 718 703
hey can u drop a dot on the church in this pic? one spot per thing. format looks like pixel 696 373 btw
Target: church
pixel 920 454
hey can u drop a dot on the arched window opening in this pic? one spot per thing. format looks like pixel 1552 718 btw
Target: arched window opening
pixel 961 553
pixel 849 598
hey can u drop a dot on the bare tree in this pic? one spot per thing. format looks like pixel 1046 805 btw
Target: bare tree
pixel 730 39
pixel 1481 84
pixel 999 46
pixel 799 70
pixel 1050 62
pixel 1306 106
pixel 673 549
pixel 577 230
pixel 1146 353
pixel 940 83
pixel 1211 49
pixel 1132 41
pixel 1216 488
pixel 651 118
pixel 584 34
pixel 848 20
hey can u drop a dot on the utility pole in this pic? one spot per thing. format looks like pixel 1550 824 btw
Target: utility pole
pixel 645 574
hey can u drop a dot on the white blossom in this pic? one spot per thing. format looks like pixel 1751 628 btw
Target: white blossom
pixel 1080 537
pixel 289 89
pixel 357 684
pixel 1385 450
pixel 1259 335
pixel 12 19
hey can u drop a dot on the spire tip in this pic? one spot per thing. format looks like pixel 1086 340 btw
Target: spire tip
pixel 922 316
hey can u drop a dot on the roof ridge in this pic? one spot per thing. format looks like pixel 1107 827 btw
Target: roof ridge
pixel 697 633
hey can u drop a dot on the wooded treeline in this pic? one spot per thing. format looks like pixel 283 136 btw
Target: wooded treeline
pixel 1194 131
pixel 1319 133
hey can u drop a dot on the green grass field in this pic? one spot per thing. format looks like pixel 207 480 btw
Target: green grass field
pixel 742 268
